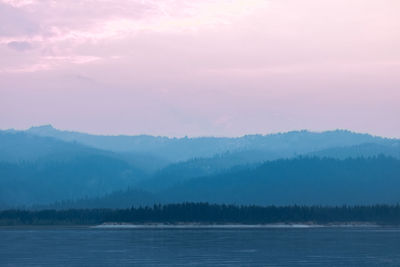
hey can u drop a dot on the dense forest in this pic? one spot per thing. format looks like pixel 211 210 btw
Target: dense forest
pixel 301 181
pixel 99 182
pixel 204 213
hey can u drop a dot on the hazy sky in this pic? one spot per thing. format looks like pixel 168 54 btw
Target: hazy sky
pixel 202 67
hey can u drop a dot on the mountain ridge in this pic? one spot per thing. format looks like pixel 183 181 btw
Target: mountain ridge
pixel 181 149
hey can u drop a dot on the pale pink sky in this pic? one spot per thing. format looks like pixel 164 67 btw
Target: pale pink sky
pixel 225 68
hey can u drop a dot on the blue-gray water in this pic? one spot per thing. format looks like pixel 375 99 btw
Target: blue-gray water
pixel 360 246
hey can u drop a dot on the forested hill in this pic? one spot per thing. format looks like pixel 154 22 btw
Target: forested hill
pixel 303 181
pixel 299 181
pixel 35 170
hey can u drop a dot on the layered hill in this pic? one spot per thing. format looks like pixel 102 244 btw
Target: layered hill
pixel 44 165
pixel 298 181
pixel 36 169
pixel 181 149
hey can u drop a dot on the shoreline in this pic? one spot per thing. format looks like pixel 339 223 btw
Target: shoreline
pixel 229 225
pixel 113 225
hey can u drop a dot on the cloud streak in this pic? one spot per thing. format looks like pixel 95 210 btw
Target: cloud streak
pixel 58 28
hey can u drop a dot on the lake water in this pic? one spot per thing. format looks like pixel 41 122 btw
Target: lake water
pixel 60 246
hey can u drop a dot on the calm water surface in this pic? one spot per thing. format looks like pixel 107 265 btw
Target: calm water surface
pixel 200 247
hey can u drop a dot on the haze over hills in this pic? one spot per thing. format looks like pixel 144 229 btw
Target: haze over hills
pixel 44 165
pixel 299 181
pixel 361 150
pixel 180 149
pixel 35 169
pixel 22 146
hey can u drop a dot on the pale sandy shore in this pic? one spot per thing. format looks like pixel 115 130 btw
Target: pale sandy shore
pixel 227 226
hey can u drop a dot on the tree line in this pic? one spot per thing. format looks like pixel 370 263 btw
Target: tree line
pixel 205 213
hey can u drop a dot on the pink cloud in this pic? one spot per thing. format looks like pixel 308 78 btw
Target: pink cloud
pixel 201 67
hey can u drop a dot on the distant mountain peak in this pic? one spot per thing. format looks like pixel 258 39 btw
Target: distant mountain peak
pixel 42 129
pixel 45 126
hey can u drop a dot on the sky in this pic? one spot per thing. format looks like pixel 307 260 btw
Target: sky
pixel 201 68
